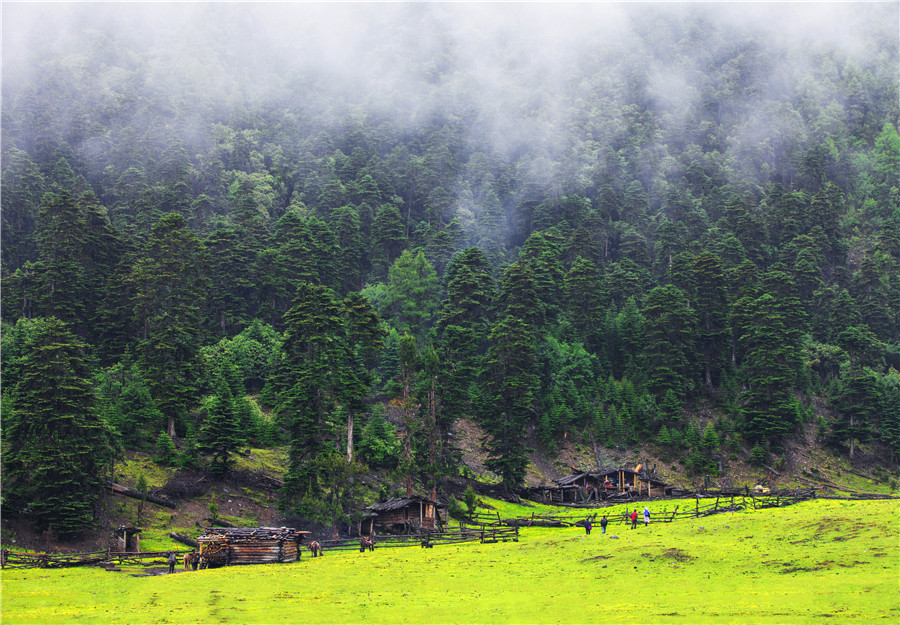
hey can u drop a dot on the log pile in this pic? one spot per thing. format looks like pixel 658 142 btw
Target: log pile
pixel 244 545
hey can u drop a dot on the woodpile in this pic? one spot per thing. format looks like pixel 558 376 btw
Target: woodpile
pixel 245 545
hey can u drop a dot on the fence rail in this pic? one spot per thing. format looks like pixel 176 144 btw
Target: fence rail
pixel 18 559
pixel 482 534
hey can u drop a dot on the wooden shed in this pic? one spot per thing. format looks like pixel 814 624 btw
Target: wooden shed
pixel 129 539
pixel 250 545
pixel 402 515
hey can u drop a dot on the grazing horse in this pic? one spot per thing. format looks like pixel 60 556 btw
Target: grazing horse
pixel 315 548
pixel 366 543
pixel 188 560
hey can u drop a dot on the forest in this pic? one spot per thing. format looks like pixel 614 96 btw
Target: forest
pixel 342 229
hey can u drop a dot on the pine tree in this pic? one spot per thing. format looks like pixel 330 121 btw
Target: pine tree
pixel 669 328
pixel 170 285
pixel 509 381
pixel 220 434
pixel 413 293
pixel 313 371
pixel 463 328
pixel 54 442
pixel 771 358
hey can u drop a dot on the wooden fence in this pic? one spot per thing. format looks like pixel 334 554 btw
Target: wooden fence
pixel 546 520
pixel 16 559
pixel 449 536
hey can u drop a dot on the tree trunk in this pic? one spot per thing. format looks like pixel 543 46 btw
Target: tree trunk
pixel 851 435
pixel 350 435
pixel 170 427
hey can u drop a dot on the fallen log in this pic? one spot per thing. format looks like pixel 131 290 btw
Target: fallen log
pixel 190 542
pixel 118 489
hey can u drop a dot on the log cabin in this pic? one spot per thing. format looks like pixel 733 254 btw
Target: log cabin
pixel 402 515
pixel 594 486
pixel 250 545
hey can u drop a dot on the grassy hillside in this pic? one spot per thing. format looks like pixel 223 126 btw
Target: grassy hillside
pixel 818 559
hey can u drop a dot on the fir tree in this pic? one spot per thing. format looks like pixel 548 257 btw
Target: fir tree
pixel 55 441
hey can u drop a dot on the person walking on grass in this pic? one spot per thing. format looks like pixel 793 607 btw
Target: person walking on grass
pixel 587 526
pixel 603 523
pixel 646 516
pixel 172 561
pixel 634 516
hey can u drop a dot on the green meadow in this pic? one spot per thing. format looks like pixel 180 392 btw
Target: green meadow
pixel 820 559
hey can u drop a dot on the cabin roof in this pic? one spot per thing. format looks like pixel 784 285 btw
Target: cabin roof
pixel 396 503
pixel 602 473
pixel 251 533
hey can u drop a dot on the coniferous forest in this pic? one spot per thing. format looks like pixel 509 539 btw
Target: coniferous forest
pixel 341 229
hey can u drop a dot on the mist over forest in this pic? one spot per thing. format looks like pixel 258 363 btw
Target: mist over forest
pixel 342 228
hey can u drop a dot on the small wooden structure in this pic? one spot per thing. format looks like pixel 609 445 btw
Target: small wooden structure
pixel 402 515
pixel 250 545
pixel 129 539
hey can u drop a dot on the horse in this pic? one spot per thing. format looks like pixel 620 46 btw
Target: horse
pixel 315 548
pixel 188 560
pixel 366 543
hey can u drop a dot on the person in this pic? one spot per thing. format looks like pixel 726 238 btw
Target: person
pixel 587 527
pixel 603 523
pixel 172 561
pixel 646 516
pixel 634 519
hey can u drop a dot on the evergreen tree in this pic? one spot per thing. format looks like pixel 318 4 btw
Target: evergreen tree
pixel 771 358
pixel 463 328
pixel 509 381
pixel 170 285
pixel 669 328
pixel 55 441
pixel 221 433
pixel 313 371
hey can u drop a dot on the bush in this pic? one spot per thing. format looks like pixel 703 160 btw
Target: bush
pixel 758 456
pixel 166 453
pixel 455 509
pixel 471 500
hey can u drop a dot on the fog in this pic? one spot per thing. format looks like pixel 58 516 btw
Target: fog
pixel 522 77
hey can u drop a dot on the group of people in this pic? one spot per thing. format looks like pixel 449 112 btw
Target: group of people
pixel 634 517
pixel 191 561
pixel 588 526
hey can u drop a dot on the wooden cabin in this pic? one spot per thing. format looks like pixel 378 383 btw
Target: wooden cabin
pixel 250 545
pixel 594 486
pixel 129 539
pixel 402 515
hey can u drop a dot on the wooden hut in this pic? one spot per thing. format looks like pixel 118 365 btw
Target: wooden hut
pixel 129 539
pixel 250 545
pixel 402 515
pixel 593 486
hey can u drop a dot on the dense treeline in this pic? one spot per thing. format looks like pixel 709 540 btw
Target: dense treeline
pixel 710 219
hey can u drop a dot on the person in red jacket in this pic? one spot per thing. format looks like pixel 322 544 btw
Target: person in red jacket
pixel 634 516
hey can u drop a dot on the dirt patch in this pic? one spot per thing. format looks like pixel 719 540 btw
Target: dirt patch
pixel 595 558
pixel 677 555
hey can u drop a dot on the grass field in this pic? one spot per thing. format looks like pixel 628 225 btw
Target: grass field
pixel 824 559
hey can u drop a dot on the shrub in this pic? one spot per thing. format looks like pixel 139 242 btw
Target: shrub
pixel 758 456
pixel 165 450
